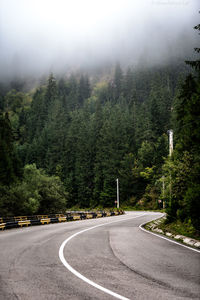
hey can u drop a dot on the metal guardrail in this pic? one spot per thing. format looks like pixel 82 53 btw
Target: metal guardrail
pixel 20 221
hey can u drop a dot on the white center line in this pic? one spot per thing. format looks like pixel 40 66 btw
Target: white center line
pixel 79 275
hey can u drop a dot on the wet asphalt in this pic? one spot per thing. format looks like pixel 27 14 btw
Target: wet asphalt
pixel 117 256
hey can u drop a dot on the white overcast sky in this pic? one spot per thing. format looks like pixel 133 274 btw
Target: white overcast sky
pixel 37 35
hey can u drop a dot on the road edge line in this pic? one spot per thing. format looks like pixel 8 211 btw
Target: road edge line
pixel 79 275
pixel 141 226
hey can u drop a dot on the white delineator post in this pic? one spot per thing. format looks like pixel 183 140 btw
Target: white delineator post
pixel 117 192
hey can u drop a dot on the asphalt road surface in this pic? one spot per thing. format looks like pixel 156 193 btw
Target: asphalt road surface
pixel 106 258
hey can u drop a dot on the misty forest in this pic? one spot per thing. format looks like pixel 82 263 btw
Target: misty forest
pixel 65 137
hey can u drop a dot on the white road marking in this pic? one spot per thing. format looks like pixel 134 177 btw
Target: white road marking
pixel 79 275
pixel 165 238
pixel 92 283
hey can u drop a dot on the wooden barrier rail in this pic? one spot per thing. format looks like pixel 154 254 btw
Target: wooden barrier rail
pixel 2 225
pixel 89 216
pixel 20 218
pixel 20 221
pixel 45 221
pixel 76 217
pixel 62 219
pixel 24 223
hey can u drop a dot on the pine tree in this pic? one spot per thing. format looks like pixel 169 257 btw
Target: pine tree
pixel 195 63
pixel 118 82
pixel 84 89
pixel 185 202
pixel 50 97
pixel 112 145
pixel 10 167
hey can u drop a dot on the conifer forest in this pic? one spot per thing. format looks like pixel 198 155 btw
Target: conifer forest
pixel 66 138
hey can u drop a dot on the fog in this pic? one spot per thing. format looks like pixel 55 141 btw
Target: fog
pixel 39 36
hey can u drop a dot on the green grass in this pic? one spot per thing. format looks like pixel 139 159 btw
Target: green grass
pixel 178 227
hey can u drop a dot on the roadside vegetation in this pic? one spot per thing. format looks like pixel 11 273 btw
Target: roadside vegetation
pixel 177 230
pixel 64 143
pixel 183 228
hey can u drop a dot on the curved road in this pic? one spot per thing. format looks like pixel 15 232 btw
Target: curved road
pixel 113 253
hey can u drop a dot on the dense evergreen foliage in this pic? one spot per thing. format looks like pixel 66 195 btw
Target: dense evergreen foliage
pixel 88 133
pixel 75 135
pixel 182 170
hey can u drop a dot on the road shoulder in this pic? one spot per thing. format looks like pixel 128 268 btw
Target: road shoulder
pixel 154 226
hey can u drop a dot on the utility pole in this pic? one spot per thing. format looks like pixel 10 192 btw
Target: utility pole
pixel 163 190
pixel 117 192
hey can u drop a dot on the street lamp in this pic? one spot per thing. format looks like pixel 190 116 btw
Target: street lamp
pixel 117 192
pixel 170 132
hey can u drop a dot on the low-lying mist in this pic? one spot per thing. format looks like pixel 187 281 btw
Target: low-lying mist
pixel 37 37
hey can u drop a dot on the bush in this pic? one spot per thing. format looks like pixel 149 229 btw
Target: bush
pixel 192 203
pixel 35 193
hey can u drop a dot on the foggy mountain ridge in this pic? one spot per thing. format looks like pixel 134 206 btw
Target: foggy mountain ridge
pixel 38 37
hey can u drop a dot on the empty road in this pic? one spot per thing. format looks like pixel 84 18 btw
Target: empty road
pixel 106 258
